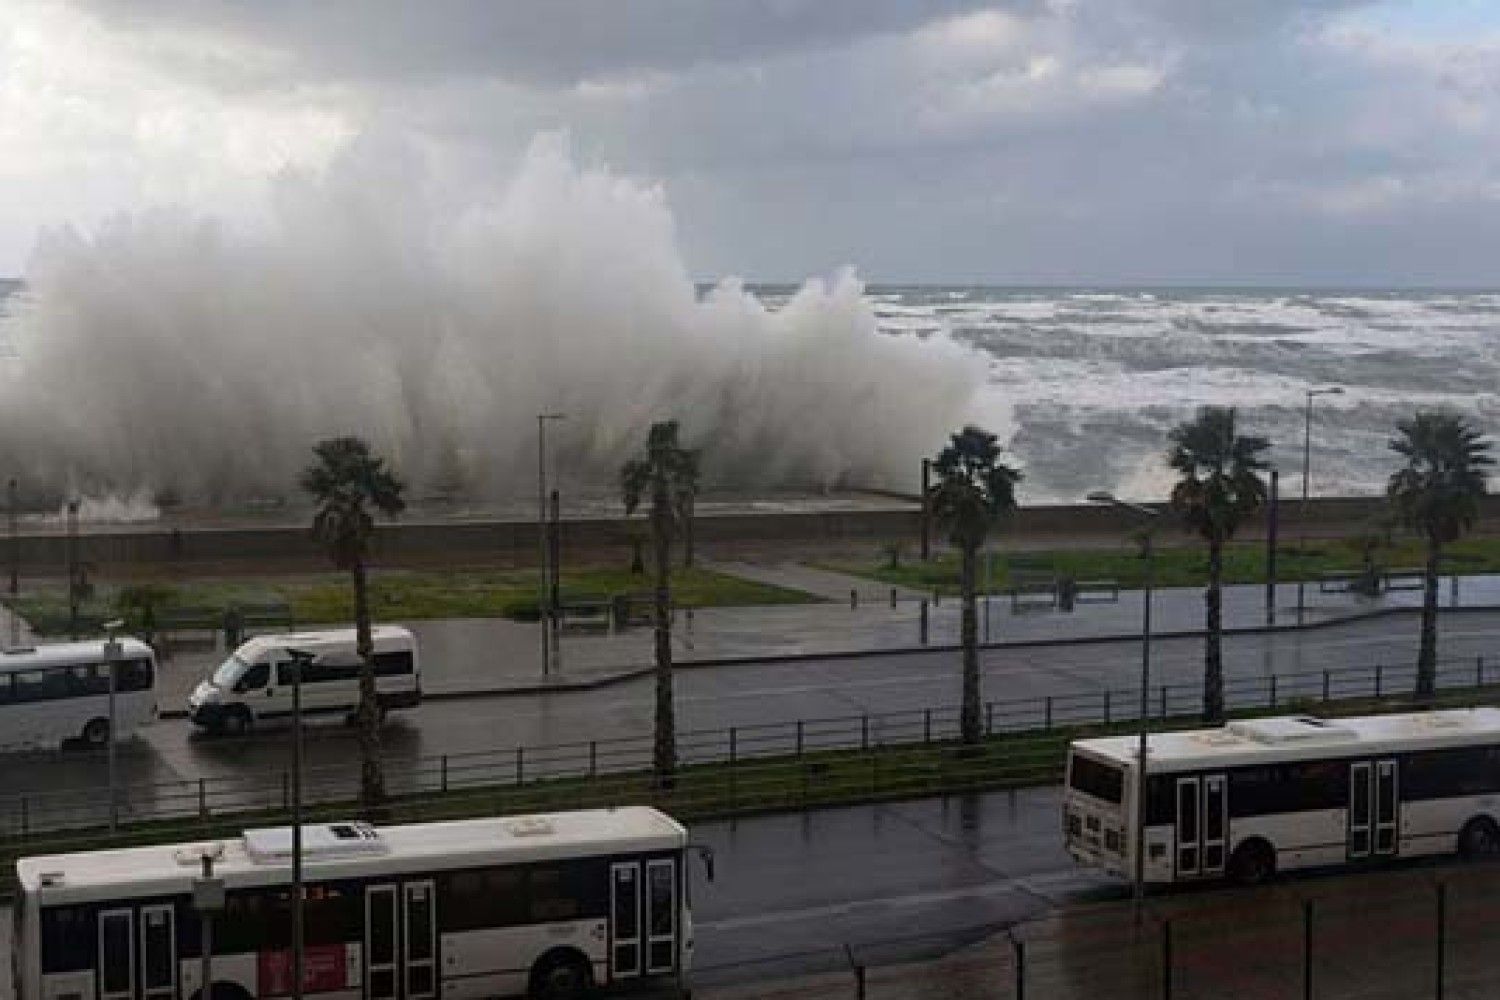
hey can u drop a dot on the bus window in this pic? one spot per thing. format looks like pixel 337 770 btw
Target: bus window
pixel 254 679
pixel 29 685
pixel 1091 777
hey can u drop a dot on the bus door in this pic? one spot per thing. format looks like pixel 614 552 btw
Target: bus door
pixel 1202 819
pixel 116 963
pixel 419 940
pixel 158 952
pixel 1374 808
pixel 661 915
pixel 625 920
pixel 382 937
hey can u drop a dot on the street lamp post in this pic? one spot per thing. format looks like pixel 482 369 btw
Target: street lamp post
pixel 112 666
pixel 1306 463
pixel 300 659
pixel 1151 518
pixel 541 533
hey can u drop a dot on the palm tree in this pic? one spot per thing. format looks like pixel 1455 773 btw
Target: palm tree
pixel 1219 488
pixel 974 490
pixel 668 475
pixel 347 481
pixel 1436 494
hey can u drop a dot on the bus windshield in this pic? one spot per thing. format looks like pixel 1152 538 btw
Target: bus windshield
pixel 228 672
pixel 1092 777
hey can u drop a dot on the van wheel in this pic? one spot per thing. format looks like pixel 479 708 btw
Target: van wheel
pixel 562 975
pixel 1252 863
pixel 96 733
pixel 237 722
pixel 1479 839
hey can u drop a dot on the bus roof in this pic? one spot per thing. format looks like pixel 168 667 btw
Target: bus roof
pixel 1300 737
pixel 321 639
pixel 61 654
pixel 349 850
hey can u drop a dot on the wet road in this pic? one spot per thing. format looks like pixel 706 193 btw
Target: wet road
pixel 482 732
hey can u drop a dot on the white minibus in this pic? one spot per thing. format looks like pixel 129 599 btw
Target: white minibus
pixel 552 905
pixel 58 692
pixel 254 683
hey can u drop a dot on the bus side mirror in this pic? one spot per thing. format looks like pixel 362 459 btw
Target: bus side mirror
pixel 706 854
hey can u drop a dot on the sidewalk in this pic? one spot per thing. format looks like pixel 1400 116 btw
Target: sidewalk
pixel 494 656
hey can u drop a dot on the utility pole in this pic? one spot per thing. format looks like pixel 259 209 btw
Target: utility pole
pixel 541 534
pixel 208 899
pixel 72 547
pixel 112 664
pixel 1272 519
pixel 554 601
pixel 926 509
pixel 300 659
pixel 15 566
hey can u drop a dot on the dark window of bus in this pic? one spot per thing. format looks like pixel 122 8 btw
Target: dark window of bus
pixel 1435 774
pixel 659 887
pixel 254 678
pixel 1102 781
pixel 245 925
pixel 68 939
pixel 134 675
pixel 393 664
pixel 1288 787
pixel 29 685
pixel 1160 804
pixel 6 696
pixel 550 895
pixel 477 899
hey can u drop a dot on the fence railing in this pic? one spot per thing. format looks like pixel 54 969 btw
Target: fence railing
pixel 1401 935
pixel 591 771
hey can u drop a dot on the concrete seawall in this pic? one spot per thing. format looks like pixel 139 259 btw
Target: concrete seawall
pixel 409 543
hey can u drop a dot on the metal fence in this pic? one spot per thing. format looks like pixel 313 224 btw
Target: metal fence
pixel 1426 931
pixel 591 771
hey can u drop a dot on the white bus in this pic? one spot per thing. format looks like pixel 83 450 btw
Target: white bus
pixel 254 682
pixel 1256 797
pixel 551 905
pixel 58 692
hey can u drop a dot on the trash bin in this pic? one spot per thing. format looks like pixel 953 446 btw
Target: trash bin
pixel 1067 593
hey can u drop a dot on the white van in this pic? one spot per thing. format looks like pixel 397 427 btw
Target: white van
pixel 58 692
pixel 254 683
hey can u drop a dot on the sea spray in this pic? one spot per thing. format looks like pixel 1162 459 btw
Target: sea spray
pixel 169 353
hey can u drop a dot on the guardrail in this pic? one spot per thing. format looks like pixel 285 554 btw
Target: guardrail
pixel 580 768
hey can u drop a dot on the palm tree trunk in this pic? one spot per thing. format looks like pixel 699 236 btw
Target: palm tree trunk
pixel 367 716
pixel 1427 651
pixel 969 723
pixel 1213 657
pixel 664 749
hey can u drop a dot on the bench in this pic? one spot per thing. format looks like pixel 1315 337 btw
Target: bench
pixel 587 614
pixel 632 609
pixel 1337 583
pixel 1406 578
pixel 1097 591
pixel 1032 591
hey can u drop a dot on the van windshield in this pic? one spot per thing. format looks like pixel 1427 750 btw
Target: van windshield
pixel 228 672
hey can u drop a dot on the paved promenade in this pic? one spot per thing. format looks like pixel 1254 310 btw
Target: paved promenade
pixel 494 656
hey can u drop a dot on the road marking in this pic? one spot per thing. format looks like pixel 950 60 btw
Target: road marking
pixel 1047 885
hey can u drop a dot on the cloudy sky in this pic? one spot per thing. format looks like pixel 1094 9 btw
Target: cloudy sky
pixel 1056 141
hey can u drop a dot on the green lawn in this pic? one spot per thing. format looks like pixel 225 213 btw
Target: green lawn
pixel 1178 563
pixel 411 596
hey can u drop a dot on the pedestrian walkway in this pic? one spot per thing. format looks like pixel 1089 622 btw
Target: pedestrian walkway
pixel 499 656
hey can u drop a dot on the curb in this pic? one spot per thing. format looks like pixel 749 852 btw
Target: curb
pixel 626 674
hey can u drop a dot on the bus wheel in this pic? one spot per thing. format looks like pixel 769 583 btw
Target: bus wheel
pixel 561 975
pixel 236 722
pixel 96 733
pixel 1252 863
pixel 1479 839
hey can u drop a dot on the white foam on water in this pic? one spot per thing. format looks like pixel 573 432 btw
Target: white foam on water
pixel 165 351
